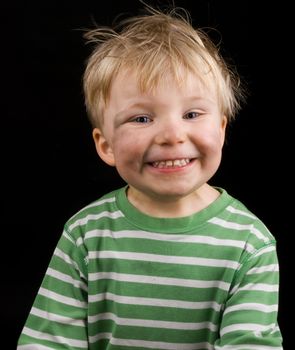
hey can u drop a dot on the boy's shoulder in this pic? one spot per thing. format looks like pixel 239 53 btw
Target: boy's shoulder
pixel 104 207
pixel 237 217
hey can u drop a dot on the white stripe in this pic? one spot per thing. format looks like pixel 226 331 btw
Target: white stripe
pixel 136 322
pixel 55 338
pixel 58 252
pixel 255 286
pixel 252 307
pixel 166 259
pixel 239 227
pixel 69 237
pixel 33 347
pixel 268 249
pixel 241 212
pixel 97 203
pixel 259 287
pixel 66 278
pixel 145 235
pixel 234 289
pixel 276 329
pixel 150 344
pixel 56 318
pixel 179 304
pixel 100 202
pixel 89 217
pixel 255 327
pixel 121 277
pixel 99 336
pixel 248 347
pixel 161 345
pixel 266 268
pixel 61 298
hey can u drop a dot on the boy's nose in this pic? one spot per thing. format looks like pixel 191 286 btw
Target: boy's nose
pixel 170 134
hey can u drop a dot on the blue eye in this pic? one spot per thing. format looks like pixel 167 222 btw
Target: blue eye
pixel 191 115
pixel 142 119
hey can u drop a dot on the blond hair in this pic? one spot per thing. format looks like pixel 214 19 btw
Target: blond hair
pixel 154 45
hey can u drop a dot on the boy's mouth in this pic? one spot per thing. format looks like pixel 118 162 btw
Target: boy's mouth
pixel 171 163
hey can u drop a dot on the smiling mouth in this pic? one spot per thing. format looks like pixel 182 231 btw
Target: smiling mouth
pixel 168 164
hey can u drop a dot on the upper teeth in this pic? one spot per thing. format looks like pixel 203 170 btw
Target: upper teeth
pixel 171 163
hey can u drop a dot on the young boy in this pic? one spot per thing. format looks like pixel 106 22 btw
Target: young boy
pixel 167 262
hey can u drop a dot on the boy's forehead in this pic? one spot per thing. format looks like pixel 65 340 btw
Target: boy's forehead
pixel 129 80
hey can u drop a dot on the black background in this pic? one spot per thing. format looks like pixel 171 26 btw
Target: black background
pixel 49 165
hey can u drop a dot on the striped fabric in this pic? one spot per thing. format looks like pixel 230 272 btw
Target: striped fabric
pixel 119 279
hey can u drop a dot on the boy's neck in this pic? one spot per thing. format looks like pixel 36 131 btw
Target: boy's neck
pixel 174 207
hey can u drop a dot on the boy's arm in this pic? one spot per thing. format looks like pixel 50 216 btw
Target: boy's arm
pixel 58 316
pixel 249 319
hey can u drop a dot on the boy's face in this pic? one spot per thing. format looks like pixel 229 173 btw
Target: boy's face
pixel 165 144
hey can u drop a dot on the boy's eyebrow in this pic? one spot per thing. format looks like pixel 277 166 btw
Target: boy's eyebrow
pixel 133 106
pixel 128 107
pixel 200 99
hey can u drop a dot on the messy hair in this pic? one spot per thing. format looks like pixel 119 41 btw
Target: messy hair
pixel 154 45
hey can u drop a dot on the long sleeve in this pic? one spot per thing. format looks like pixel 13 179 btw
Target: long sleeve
pixel 249 319
pixel 58 316
pixel 119 279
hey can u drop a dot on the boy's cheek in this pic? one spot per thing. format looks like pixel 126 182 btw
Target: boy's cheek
pixel 127 140
pixel 209 140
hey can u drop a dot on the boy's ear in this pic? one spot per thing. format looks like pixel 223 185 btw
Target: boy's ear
pixel 223 128
pixel 103 148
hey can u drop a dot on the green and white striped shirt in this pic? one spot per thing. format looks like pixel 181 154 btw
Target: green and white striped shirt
pixel 119 279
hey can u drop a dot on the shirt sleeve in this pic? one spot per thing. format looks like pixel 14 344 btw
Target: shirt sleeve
pixel 57 319
pixel 249 320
